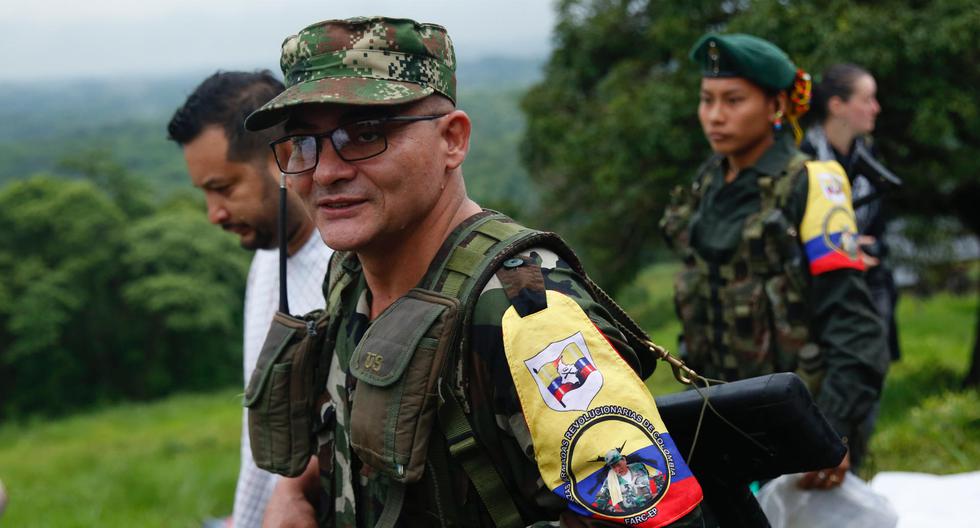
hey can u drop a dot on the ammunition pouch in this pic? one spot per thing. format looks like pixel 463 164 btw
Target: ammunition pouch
pixel 399 364
pixel 282 391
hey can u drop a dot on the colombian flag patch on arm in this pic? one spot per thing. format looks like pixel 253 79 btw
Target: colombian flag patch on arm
pixel 829 229
pixel 599 441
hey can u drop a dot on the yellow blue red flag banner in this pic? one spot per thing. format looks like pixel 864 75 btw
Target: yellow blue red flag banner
pixel 598 437
pixel 829 229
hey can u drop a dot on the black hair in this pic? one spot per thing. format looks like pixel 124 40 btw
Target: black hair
pixel 836 81
pixel 226 99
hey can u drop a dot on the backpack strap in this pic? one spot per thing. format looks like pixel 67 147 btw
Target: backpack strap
pixel 473 252
pixel 783 186
pixel 482 473
pixel 487 246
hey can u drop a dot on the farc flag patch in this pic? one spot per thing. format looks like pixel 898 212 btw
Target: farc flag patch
pixel 829 229
pixel 599 441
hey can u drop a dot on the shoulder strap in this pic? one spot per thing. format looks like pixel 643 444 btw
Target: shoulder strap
pixel 340 272
pixel 783 186
pixel 483 245
pixel 703 179
pixel 461 268
pixel 488 244
pixel 482 473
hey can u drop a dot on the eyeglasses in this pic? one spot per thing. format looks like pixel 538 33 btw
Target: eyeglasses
pixel 357 141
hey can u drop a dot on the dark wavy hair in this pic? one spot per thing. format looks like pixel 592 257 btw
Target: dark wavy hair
pixel 226 99
pixel 837 80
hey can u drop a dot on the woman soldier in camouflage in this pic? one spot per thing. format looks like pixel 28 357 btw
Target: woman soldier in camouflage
pixel 772 280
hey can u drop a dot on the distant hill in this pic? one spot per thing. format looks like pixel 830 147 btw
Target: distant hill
pixel 490 72
pixel 42 123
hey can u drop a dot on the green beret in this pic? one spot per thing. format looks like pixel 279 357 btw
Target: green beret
pixel 741 55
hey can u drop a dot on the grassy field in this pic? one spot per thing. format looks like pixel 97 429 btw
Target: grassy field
pixel 174 462
pixel 927 423
pixel 169 463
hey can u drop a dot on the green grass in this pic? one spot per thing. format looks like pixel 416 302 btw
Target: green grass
pixel 170 463
pixel 927 422
pixel 649 300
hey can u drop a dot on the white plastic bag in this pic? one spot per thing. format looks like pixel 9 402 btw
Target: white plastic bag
pixel 853 504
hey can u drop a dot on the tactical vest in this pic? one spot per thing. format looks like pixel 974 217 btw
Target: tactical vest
pixel 748 316
pixel 421 342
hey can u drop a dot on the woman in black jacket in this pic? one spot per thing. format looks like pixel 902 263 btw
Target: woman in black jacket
pixel 846 105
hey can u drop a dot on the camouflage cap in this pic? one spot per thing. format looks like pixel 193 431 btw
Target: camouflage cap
pixel 361 61
pixel 613 456
pixel 747 56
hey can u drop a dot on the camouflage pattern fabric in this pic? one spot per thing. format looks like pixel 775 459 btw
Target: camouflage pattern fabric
pixel 361 61
pixel 755 322
pixel 444 495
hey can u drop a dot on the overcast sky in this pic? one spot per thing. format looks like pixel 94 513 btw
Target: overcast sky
pixel 47 39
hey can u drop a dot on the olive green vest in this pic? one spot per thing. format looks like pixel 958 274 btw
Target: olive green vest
pixel 748 316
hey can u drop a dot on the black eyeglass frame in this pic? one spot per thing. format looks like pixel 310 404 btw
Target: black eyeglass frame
pixel 329 134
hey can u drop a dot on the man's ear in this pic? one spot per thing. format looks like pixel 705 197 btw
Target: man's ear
pixel 456 129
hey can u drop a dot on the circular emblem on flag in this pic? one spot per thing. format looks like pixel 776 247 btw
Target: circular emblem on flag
pixel 616 463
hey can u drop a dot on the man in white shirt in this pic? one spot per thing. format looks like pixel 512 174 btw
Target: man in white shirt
pixel 238 174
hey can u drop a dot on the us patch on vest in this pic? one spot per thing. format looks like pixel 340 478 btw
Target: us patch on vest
pixel 829 229
pixel 599 441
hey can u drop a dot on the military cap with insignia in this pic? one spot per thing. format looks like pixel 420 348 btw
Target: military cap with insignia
pixel 747 56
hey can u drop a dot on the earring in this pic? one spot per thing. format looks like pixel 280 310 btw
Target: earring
pixel 777 123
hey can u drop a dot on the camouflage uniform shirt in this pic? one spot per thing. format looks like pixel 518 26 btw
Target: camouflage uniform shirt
pixel 353 493
pixel 842 318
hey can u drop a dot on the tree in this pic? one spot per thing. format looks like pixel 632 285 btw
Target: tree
pixel 107 295
pixel 612 126
pixel 185 283
pixel 60 291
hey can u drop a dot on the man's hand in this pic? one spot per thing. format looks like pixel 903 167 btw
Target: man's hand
pixel 826 478
pixel 291 503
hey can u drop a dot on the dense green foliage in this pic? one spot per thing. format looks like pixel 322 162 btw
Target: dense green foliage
pixel 493 171
pixel 106 296
pixel 612 126
pixel 174 462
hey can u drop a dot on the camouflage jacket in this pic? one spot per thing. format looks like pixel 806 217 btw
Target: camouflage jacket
pixel 836 306
pixel 353 493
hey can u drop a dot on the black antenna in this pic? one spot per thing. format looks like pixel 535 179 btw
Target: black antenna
pixel 283 297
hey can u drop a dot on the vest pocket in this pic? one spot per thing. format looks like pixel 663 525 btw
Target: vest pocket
pixel 398 364
pixel 745 309
pixel 280 394
pixel 789 322
pixel 692 310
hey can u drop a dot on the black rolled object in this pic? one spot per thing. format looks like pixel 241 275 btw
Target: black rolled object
pixel 777 411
